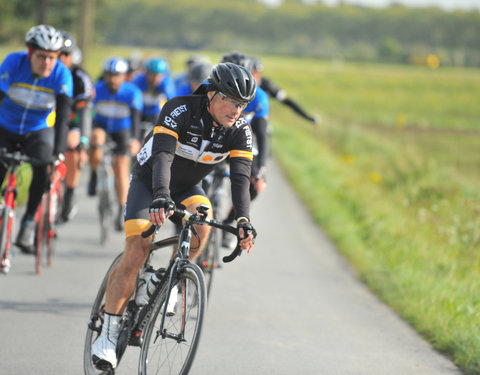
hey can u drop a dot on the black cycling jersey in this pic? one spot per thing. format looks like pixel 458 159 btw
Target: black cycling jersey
pixel 82 85
pixel 185 146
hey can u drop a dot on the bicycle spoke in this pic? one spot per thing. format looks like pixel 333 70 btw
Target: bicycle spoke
pixel 172 350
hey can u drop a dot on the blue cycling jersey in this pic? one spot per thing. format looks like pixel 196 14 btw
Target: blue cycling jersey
pixel 259 105
pixel 29 104
pixel 113 111
pixel 182 85
pixel 153 101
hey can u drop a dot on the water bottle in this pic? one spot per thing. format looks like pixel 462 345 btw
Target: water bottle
pixel 149 280
pixel 141 297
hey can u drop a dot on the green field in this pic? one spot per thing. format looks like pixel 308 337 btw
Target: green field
pixel 392 175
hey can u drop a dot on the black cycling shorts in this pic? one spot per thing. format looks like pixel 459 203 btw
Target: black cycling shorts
pixel 139 198
pixel 120 138
pixel 38 144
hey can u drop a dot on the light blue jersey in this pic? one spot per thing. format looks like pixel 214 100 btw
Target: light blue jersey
pixel 29 104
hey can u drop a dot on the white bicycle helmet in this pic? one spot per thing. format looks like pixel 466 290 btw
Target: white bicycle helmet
pixel 44 37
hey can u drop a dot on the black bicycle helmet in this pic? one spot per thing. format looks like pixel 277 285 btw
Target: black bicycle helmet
pixel 69 43
pixel 44 37
pixel 233 80
pixel 239 59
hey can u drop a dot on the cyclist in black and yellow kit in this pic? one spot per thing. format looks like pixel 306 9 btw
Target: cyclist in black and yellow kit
pixel 80 125
pixel 192 135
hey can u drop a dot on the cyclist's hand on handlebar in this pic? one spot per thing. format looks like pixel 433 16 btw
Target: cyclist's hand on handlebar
pixel 160 210
pixel 246 235
pixel 59 170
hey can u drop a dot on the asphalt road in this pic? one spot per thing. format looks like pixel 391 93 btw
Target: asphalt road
pixel 293 306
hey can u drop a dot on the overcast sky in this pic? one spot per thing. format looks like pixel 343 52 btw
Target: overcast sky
pixel 445 4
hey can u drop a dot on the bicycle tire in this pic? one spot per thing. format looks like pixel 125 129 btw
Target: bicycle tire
pixel 53 205
pixel 105 214
pixel 4 220
pixel 41 232
pixel 166 354
pixel 96 321
pixel 208 261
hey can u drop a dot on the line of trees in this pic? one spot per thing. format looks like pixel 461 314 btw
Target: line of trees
pixel 396 34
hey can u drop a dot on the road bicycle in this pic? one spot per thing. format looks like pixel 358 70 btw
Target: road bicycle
pixel 46 216
pixel 11 160
pixel 168 341
pixel 214 187
pixel 106 192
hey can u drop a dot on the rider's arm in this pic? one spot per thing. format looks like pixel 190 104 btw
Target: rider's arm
pixel 240 182
pixel 293 105
pixel 260 129
pixel 136 117
pixel 240 170
pixel 275 92
pixel 62 117
pixel 163 152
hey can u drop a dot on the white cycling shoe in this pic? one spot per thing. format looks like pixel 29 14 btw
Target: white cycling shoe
pixel 104 355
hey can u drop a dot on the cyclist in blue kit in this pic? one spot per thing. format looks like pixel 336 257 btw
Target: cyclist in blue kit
pixel 35 106
pixel 118 106
pixel 157 87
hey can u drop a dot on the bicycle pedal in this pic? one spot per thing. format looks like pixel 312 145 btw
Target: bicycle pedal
pixel 136 339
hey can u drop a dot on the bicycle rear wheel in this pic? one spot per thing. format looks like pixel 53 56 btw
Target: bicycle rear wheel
pixel 96 321
pixel 173 350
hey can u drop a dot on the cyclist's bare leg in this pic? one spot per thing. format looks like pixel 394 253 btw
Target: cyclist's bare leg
pixel 72 159
pixel 121 282
pixel 97 140
pixel 121 165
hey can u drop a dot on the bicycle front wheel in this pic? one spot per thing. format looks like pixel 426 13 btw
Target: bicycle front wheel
pixel 172 350
pixel 96 322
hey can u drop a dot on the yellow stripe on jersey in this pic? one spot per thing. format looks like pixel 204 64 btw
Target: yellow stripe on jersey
pixel 135 227
pixel 196 199
pixel 164 130
pixel 37 88
pixel 241 154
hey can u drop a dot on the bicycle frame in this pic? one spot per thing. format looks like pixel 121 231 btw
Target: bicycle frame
pixel 8 214
pixel 46 214
pixel 13 161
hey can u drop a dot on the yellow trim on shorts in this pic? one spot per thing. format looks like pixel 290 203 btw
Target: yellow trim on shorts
pixel 164 130
pixel 241 154
pixel 196 199
pixel 135 227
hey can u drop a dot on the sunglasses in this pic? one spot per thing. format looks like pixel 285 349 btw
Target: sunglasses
pixel 233 102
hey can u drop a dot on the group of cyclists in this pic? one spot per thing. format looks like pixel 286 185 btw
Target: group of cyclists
pixel 176 129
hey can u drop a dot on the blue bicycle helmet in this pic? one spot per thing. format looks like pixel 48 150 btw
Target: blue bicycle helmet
pixel 115 65
pixel 156 66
